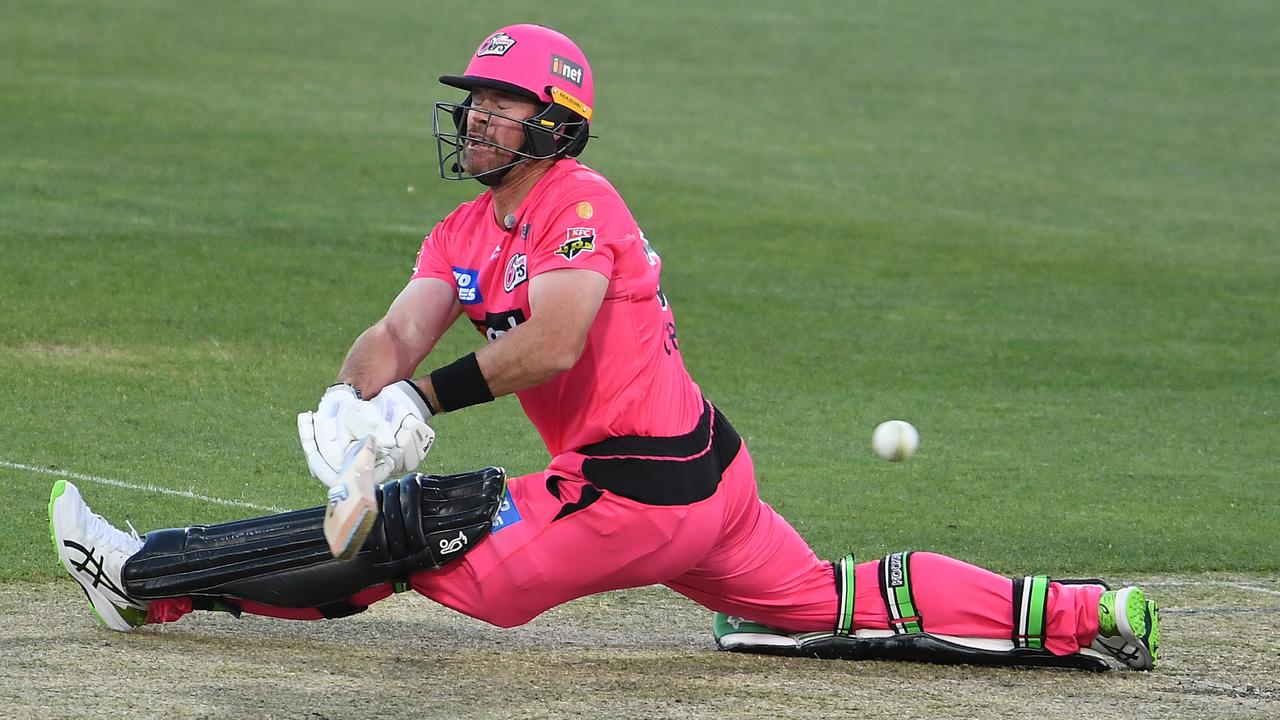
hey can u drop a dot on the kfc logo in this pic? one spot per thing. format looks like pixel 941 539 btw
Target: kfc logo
pixel 577 241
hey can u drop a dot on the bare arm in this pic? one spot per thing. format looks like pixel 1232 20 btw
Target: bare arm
pixel 563 305
pixel 394 346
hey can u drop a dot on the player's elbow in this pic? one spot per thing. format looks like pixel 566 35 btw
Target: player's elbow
pixel 564 355
pixel 562 360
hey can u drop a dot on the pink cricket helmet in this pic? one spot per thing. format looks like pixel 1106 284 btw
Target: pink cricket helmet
pixel 533 61
pixel 529 61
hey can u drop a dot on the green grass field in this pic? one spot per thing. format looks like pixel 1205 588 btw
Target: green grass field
pixel 1046 234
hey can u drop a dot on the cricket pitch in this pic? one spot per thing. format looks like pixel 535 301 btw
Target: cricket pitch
pixel 643 653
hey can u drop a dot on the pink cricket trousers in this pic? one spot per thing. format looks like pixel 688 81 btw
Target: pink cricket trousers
pixel 730 552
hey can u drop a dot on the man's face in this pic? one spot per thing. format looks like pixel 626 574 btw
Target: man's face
pixel 482 157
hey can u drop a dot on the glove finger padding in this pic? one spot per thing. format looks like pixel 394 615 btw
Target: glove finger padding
pixel 404 411
pixel 327 434
pixel 413 439
pixel 363 418
pixel 320 467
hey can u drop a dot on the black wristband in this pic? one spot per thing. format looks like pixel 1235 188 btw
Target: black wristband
pixel 460 384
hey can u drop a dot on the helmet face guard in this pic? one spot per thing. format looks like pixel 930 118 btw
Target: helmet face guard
pixel 554 132
pixel 533 62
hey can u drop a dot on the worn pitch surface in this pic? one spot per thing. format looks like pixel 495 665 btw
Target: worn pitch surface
pixel 643 653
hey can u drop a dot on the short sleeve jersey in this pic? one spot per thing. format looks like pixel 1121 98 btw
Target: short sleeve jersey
pixel 630 379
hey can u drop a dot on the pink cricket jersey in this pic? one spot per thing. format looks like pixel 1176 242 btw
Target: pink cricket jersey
pixel 630 379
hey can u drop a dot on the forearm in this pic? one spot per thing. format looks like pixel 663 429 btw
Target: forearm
pixel 375 359
pixel 563 305
pixel 524 357
pixel 396 344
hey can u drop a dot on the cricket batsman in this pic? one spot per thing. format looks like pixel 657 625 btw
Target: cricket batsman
pixel 648 481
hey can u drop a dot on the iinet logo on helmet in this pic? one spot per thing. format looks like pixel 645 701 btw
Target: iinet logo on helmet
pixel 497 44
pixel 567 69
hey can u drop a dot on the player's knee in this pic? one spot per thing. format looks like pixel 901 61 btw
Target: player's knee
pixel 505 619
pixel 498 616
pixel 500 610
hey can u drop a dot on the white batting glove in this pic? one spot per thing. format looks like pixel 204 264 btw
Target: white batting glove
pixel 403 433
pixel 328 434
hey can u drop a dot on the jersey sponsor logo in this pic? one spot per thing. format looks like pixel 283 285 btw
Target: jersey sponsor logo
pixel 577 241
pixel 517 272
pixel 567 69
pixel 468 282
pixel 495 325
pixel 508 514
pixel 496 44
pixel 585 211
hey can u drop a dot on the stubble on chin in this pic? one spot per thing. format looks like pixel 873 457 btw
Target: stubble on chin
pixel 478 163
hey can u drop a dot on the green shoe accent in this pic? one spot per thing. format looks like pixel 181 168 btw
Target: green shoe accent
pixel 1130 633
pixel 1153 632
pixel 1106 614
pixel 131 615
pixel 723 624
pixel 1135 612
pixel 58 488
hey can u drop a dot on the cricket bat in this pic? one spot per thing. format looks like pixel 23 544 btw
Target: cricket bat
pixel 352 510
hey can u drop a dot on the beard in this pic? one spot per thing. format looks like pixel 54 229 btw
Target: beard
pixel 487 164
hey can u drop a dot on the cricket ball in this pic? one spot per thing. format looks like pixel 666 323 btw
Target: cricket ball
pixel 895 440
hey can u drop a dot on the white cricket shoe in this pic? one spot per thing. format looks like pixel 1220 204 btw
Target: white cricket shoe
pixel 94 552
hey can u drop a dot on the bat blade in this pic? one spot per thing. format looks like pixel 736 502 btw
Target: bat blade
pixel 352 510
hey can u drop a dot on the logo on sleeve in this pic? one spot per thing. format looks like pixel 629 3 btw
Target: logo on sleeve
pixel 508 514
pixel 496 44
pixel 517 272
pixel 467 282
pixel 577 241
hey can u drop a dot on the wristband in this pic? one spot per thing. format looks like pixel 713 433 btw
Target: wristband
pixel 424 405
pixel 460 384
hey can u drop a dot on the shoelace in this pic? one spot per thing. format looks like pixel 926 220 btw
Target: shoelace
pixel 103 532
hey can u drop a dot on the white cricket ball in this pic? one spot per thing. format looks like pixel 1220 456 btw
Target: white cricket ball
pixel 895 440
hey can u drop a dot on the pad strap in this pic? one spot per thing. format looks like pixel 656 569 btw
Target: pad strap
pixel 895 589
pixel 1030 596
pixel 846 590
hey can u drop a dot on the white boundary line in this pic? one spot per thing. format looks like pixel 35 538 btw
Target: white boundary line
pixel 1211 583
pixel 138 487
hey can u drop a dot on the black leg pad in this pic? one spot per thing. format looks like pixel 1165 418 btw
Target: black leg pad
pixel 918 647
pixel 426 521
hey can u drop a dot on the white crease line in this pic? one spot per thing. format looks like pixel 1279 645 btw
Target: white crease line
pixel 140 488
pixel 1212 583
